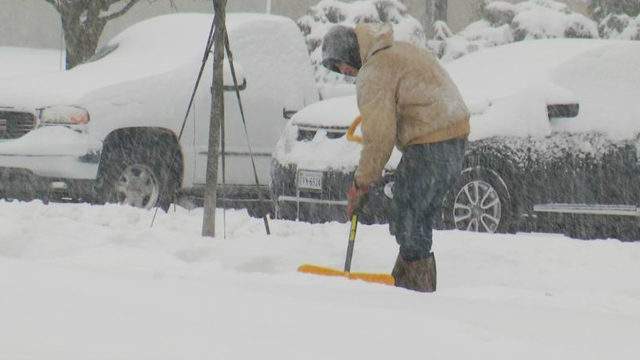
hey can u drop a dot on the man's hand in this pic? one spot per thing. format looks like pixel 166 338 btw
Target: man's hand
pixel 357 197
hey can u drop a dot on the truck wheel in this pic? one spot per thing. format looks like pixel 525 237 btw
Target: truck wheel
pixel 137 179
pixel 479 202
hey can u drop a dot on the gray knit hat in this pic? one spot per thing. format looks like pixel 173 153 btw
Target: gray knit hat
pixel 340 44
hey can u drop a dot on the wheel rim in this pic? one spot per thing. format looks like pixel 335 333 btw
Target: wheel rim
pixel 137 187
pixel 477 208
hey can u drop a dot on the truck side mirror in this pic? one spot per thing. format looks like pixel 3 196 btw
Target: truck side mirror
pixel 228 77
pixel 232 87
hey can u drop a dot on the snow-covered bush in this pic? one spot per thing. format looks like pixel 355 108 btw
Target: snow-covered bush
pixel 448 46
pixel 601 9
pixel 327 13
pixel 632 31
pixel 503 22
pixel 620 26
pixel 541 19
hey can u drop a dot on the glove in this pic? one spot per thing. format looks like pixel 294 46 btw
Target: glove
pixel 357 198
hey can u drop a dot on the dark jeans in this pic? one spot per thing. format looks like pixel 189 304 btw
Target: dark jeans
pixel 424 175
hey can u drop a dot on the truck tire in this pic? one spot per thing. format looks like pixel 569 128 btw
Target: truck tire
pixel 137 178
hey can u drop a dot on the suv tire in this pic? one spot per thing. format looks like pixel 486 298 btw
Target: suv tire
pixel 480 202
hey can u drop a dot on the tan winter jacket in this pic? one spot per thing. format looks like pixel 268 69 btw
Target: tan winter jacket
pixel 405 98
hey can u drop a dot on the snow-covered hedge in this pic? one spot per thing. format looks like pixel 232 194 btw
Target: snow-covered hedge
pixel 327 13
pixel 620 26
pixel 503 22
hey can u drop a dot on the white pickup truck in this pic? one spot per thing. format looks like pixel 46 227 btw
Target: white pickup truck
pixel 107 130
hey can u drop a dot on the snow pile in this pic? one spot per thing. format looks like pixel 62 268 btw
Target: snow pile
pixel 96 282
pixel 503 23
pixel 328 13
pixel 22 61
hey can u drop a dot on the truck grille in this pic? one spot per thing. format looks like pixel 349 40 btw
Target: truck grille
pixel 15 124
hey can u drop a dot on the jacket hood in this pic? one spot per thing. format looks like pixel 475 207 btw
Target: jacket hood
pixel 373 38
pixel 340 45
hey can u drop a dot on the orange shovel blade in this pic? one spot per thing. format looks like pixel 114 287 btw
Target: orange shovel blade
pixel 368 277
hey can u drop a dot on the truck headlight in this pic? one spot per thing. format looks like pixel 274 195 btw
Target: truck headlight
pixel 73 117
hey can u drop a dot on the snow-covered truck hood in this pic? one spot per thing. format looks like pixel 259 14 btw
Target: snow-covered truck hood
pixel 17 61
pixel 323 152
pixel 336 113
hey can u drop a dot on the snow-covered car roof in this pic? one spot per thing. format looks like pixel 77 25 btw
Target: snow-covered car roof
pixel 185 35
pixel 149 48
pixel 508 88
pixel 503 71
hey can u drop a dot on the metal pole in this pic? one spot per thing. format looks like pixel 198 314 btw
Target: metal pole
pixel 223 151
pixel 246 132
pixel 217 115
pixel 268 6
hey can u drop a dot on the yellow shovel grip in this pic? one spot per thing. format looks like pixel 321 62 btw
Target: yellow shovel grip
pixel 352 129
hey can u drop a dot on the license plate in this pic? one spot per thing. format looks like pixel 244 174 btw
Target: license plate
pixel 310 180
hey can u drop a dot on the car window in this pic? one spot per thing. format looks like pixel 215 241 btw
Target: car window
pixel 102 52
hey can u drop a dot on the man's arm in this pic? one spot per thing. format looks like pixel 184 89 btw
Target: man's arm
pixel 377 103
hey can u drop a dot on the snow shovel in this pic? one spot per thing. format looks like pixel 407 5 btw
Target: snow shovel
pixel 368 277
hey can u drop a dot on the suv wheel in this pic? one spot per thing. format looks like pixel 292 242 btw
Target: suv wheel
pixel 478 202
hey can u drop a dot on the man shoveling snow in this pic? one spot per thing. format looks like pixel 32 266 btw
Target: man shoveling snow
pixel 406 99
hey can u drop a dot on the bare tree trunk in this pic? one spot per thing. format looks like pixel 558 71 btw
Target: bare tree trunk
pixel 442 6
pixel 81 38
pixel 83 22
pixel 436 11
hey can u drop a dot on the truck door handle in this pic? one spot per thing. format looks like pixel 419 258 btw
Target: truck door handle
pixel 241 87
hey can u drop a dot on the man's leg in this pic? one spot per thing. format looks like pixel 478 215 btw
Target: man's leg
pixel 423 178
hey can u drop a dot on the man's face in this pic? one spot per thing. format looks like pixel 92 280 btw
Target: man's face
pixel 347 69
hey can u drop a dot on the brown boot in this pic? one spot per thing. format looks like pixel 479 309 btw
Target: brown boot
pixel 419 275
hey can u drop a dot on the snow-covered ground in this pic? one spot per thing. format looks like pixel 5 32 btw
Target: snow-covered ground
pixel 93 282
